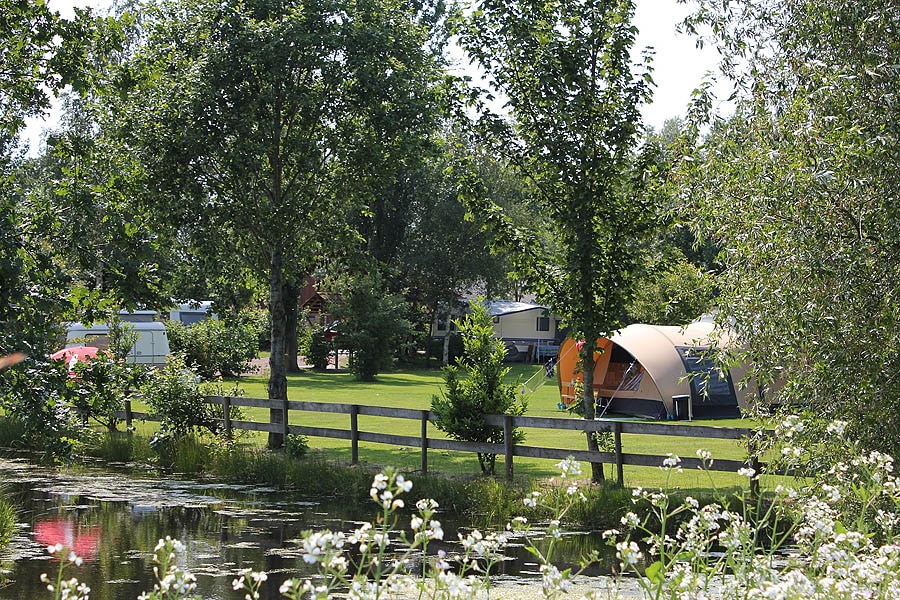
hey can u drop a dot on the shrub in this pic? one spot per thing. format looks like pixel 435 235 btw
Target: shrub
pixel 459 410
pixel 36 395
pixel 175 395
pixel 101 384
pixel 296 445
pixel 317 350
pixel 210 346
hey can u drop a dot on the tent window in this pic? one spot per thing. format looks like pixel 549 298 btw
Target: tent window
pixel 543 323
pixel 619 361
pixel 708 383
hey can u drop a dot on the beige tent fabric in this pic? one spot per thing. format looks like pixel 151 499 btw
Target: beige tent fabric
pixel 654 348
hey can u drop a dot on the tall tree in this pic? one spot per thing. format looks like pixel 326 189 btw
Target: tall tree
pixel 266 125
pixel 800 190
pixel 572 98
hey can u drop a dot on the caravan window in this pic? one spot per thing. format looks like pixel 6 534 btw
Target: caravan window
pixel 543 323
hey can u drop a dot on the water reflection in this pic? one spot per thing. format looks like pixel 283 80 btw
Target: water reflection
pixel 114 520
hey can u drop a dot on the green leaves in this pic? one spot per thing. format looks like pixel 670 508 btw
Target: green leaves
pixel 565 70
pixel 799 189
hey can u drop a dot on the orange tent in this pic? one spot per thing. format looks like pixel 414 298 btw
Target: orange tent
pixel 658 372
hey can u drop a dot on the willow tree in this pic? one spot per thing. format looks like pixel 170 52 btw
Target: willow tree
pixel 799 187
pixel 572 126
pixel 266 125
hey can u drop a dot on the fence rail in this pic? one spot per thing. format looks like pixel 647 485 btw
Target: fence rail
pixel 508 422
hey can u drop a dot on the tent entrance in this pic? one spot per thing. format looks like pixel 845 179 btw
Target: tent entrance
pixel 712 392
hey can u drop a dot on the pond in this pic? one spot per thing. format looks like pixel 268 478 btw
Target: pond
pixel 114 517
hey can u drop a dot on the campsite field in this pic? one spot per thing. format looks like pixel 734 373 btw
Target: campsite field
pixel 414 389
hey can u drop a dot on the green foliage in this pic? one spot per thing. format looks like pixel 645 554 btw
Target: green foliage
pixel 317 350
pixel 675 292
pixel 8 520
pixel 296 445
pixel 100 385
pixel 36 394
pixel 799 189
pixel 212 347
pixel 372 324
pixel 121 447
pixel 175 395
pixel 476 387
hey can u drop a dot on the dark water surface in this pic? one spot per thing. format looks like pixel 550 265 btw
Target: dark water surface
pixel 114 519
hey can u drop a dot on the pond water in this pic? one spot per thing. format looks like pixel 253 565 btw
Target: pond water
pixel 115 517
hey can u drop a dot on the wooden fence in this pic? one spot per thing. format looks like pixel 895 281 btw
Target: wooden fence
pixel 279 426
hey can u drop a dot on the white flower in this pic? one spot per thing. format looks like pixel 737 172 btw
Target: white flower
pixel 747 472
pixel 628 553
pixel 569 466
pixel 671 461
pixel 532 499
pixel 631 519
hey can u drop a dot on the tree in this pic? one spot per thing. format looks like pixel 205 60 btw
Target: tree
pixel 476 386
pixel 565 71
pixel 799 189
pixel 371 323
pixel 266 126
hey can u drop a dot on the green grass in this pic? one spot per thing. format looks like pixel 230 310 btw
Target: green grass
pixel 414 390
pixel 7 519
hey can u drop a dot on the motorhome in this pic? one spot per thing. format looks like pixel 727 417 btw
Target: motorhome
pixel 188 313
pixel 150 348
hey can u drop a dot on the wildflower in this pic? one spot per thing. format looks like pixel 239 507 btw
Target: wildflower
pixel 569 466
pixel 671 461
pixel 628 553
pixel 747 472
pixel 630 519
pixel 836 428
pixel 532 500
pixel 705 456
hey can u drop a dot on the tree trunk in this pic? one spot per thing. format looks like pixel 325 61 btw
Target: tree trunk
pixel 277 375
pixel 291 296
pixel 587 362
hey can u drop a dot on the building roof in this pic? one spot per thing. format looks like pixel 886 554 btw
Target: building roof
pixel 499 308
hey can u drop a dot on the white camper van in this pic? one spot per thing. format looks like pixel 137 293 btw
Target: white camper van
pixel 188 313
pixel 151 347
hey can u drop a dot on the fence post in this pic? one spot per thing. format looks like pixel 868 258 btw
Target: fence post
pixel 128 415
pixel 226 415
pixel 424 442
pixel 754 464
pixel 620 460
pixel 354 434
pixel 508 445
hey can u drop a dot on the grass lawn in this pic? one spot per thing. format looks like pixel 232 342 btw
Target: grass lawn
pixel 414 389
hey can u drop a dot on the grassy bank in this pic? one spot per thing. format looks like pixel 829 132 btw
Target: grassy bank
pixel 482 500
pixel 7 519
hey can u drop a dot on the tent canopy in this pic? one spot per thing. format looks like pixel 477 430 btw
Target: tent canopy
pixel 641 368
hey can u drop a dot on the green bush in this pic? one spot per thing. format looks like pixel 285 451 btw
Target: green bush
pixel 175 395
pixel 317 350
pixel 101 384
pixel 36 395
pixel 296 445
pixel 476 386
pixel 210 346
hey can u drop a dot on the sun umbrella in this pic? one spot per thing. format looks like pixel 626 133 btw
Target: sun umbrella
pixel 76 353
